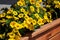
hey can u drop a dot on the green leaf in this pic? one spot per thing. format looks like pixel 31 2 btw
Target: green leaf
pixel 8 21
pixel 36 26
pixel 32 15
pixel 22 31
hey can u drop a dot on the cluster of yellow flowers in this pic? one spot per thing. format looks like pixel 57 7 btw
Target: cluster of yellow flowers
pixel 57 4
pixel 25 14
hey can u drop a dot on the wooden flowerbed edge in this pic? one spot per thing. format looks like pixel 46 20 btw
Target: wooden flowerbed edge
pixel 43 29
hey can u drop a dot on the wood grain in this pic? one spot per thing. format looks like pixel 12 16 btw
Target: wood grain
pixel 46 27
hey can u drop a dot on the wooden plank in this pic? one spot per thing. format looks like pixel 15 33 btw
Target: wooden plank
pixel 49 34
pixel 56 37
pixel 46 27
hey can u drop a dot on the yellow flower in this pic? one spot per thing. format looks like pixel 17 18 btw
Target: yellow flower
pixel 18 33
pixel 22 10
pixel 30 27
pixel 37 4
pixel 44 9
pixel 20 15
pixel 57 6
pixel 11 39
pixel 36 15
pixel 29 20
pixel 34 22
pixel 48 6
pixel 2 15
pixel 15 30
pixel 32 9
pixel 1 35
pixel 26 12
pixel 9 17
pixel 59 3
pixel 17 37
pixel 20 3
pixel 26 16
pixel 9 11
pixel 25 24
pixel 12 24
pixel 40 21
pixel 37 10
pixel 16 18
pixel 50 15
pixel 40 1
pixel 18 26
pixel 3 20
pixel 15 13
pixel 32 1
pixel 56 2
pixel 11 34
pixel 45 16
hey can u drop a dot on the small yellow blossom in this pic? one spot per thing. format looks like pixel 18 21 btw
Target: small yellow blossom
pixel 56 2
pixel 38 10
pixel 11 34
pixel 26 12
pixel 50 15
pixel 9 17
pixel 57 6
pixel 12 24
pixel 34 22
pixel 48 6
pixel 36 15
pixel 18 26
pixel 30 27
pixel 32 1
pixel 20 15
pixel 16 18
pixel 26 16
pixel 32 9
pixel 45 16
pixel 37 4
pixel 17 37
pixel 3 20
pixel 2 15
pixel 1 35
pixel 29 20
pixel 40 21
pixel 9 11
pixel 22 10
pixel 44 9
pixel 25 24
pixel 11 39
pixel 40 1
pixel 21 3
pixel 15 13
pixel 15 30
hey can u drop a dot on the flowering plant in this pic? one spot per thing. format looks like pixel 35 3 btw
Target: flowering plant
pixel 24 16
pixel 53 8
